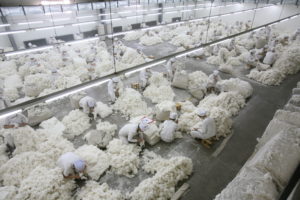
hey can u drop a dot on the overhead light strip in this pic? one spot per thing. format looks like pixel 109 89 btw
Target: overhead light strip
pixel 48 28
pixel 145 67
pixel 28 51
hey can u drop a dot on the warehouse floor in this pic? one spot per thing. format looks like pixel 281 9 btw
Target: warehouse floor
pixel 213 168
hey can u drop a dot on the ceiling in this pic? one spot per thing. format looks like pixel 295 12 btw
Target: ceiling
pixel 36 2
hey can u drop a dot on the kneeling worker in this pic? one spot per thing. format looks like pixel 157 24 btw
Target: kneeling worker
pixel 168 128
pixel 72 165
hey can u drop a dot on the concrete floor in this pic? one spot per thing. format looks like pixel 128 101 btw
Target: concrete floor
pixel 211 173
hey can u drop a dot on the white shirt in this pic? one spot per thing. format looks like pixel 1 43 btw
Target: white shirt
pixel 66 163
pixel 270 58
pixel 111 90
pixel 168 130
pixel 85 102
pixel 208 128
pixel 129 131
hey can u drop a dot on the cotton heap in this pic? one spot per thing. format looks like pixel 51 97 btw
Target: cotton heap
pixel 159 89
pixel 102 110
pixel 150 40
pixel 197 84
pixel 76 122
pixel 124 158
pixel 168 173
pixel 130 103
pixel 236 85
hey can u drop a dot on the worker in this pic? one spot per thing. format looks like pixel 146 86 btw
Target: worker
pixel 88 104
pixel 8 140
pixel 4 102
pixel 270 57
pixel 144 76
pixel 212 81
pixel 208 129
pixel 285 40
pixel 268 32
pixel 113 89
pixel 216 49
pixel 248 24
pixel 131 130
pixel 168 128
pixel 273 43
pixel 15 120
pixel 170 69
pixel 251 60
pixel 72 165
pixel 296 35
pixel 231 44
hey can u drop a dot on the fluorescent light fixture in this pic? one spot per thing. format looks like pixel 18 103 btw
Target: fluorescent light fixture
pixel 75 91
pixel 82 41
pixel 103 14
pixel 83 17
pixel 108 20
pixel 83 23
pixel 175 23
pixel 184 54
pixel 25 23
pixel 155 9
pixel 154 14
pixel 4 25
pixel 147 66
pixel 150 28
pixel 284 20
pixel 121 33
pixel 53 13
pixel 172 12
pixel 10 113
pixel 186 10
pixel 28 51
pixel 12 32
pixel 48 28
pixel 54 2
pixel 140 10
pixel 125 12
pixel 59 20
pixel 294 17
pixel 133 16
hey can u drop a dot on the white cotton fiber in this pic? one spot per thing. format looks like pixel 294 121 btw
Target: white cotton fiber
pixel 124 158
pixel 53 126
pixel 8 192
pixel 268 77
pixel 250 183
pixel 76 122
pixel 168 173
pixel 163 110
pixel 150 40
pixel 130 103
pixel 222 120
pixel 46 183
pixel 187 120
pixel 182 40
pixel 135 35
pixel 97 160
pixel 7 68
pixel 236 85
pixel 289 61
pixel 106 127
pixel 35 84
pixel 181 79
pixel 13 81
pixel 38 113
pixel 229 101
pixel 197 84
pixel 279 156
pixel 63 82
pixel 213 60
pixel 226 68
pixel 102 110
pixel 94 191
pixel 11 93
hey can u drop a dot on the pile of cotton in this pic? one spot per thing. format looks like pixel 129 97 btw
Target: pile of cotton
pixel 63 82
pixel 187 120
pixel 124 158
pixel 130 58
pixel 25 138
pixel 7 68
pixel 130 103
pixel 229 101
pixel 102 110
pixel 279 156
pixel 150 40
pixel 38 113
pixel 53 126
pixel 92 191
pixel 197 84
pixel 250 183
pixel 165 35
pixel 45 183
pixel 289 61
pixel 163 110
pixel 8 192
pixel 268 77
pixel 21 100
pixel 102 135
pixel 97 160
pixel 18 168
pixel 182 40
pixel 159 89
pixel 35 84
pixel 168 173
pixel 13 81
pixel 135 35
pixel 11 93
pixel 187 106
pixel 236 85
pixel 213 60
pixel 76 122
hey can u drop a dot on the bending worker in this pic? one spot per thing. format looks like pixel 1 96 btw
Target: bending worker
pixel 168 128
pixel 170 69
pixel 129 131
pixel 208 129
pixel 112 87
pixel 144 76
pixel 212 81
pixel 72 165
pixel 87 104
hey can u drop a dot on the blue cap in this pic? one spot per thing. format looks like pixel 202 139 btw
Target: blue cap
pixel 79 165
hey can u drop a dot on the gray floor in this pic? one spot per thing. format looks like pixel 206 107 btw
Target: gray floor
pixel 211 173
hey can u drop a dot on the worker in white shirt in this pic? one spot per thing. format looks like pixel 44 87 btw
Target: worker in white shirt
pixel 170 69
pixel 251 60
pixel 216 49
pixel 15 120
pixel 4 102
pixel 168 128
pixel 87 104
pixel 8 140
pixel 113 89
pixel 270 57
pixel 296 35
pixel 212 81
pixel 261 53
pixel 207 130
pixel 144 76
pixel 72 165
pixel 128 132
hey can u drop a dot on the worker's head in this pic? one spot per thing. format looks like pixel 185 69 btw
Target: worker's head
pixel 144 124
pixel 91 104
pixel 172 60
pixel 79 166
pixel 116 79
pixel 173 115
pixel 201 113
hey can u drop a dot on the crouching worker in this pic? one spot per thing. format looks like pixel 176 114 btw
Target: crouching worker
pixel 72 165
pixel 168 128
pixel 207 131
pixel 131 130
pixel 15 120
pixel 88 105
pixel 213 80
